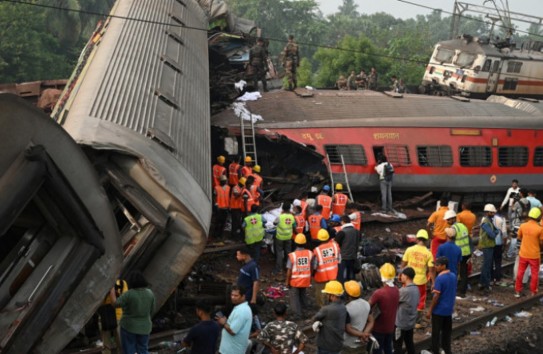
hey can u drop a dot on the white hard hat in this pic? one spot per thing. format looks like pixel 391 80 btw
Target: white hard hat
pixel 491 208
pixel 449 214
pixel 296 202
pixel 450 231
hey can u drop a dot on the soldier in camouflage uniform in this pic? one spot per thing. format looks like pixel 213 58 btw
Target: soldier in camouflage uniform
pixel 258 58
pixel 291 61
pixel 281 335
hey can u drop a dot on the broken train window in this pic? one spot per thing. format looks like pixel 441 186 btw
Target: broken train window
pixel 352 154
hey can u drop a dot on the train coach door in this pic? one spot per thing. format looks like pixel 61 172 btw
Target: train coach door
pixel 494 76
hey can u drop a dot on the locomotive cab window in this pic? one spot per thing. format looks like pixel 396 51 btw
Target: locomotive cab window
pixel 444 55
pixel 512 156
pixel 475 156
pixel 435 156
pixel 352 154
pixel 465 59
pixel 538 156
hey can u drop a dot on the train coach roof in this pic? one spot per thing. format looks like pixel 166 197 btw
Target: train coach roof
pixel 332 108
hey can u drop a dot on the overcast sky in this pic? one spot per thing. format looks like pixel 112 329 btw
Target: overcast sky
pixel 403 10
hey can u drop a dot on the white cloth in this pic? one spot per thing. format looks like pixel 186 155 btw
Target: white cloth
pixel 240 85
pixel 316 326
pixel 250 96
pixel 380 169
pixel 241 111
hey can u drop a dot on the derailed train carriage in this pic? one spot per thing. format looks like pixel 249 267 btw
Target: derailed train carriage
pixel 120 183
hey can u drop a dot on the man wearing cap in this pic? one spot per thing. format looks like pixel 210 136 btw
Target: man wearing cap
pixel 247 168
pixel 462 240
pixel 439 224
pixel 339 200
pixel 257 176
pixel 358 332
pixel 316 222
pixel 325 201
pixel 253 225
pixel 236 207
pixel 219 170
pixel 331 319
pixel 355 215
pixel 348 241
pixel 421 260
pixel 222 205
pixel 298 275
pixel 286 225
pixel 531 235
pixel 325 263
pixel 442 307
pixel 487 236
pixel 450 250
pixel 258 61
pixel 386 299
pixel 334 225
pixel 234 171
pixel 406 317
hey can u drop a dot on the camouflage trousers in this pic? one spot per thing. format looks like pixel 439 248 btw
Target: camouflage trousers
pixel 290 73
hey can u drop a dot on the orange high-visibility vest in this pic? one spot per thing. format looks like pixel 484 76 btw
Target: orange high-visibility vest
pixel 339 202
pixel 301 268
pixel 303 204
pixel 246 171
pixel 233 174
pixel 327 261
pixel 314 225
pixel 326 202
pixel 218 171
pixel 246 204
pixel 258 179
pixel 255 194
pixel 222 196
pixel 357 223
pixel 300 224
pixel 236 202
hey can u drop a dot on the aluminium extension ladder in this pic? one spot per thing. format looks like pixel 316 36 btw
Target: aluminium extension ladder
pixel 248 141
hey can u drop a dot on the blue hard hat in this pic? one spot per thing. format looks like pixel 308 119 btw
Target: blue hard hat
pixel 326 188
pixel 335 218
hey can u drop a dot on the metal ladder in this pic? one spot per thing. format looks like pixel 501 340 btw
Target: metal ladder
pixel 344 180
pixel 248 138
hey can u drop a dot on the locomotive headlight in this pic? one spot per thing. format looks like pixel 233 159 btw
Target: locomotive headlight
pixel 477 69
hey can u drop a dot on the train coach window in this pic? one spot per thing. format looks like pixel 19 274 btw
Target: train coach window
pixel 538 156
pixel 444 55
pixel 397 155
pixel 435 155
pixel 512 156
pixel 475 156
pixel 352 154
pixel 514 66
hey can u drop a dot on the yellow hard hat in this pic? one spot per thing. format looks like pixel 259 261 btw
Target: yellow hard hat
pixel 221 159
pixel 300 239
pixel 422 233
pixel 535 213
pixel 242 181
pixel 388 272
pixel 256 168
pixel 333 287
pixel 248 159
pixel 323 235
pixel 339 187
pixel 353 288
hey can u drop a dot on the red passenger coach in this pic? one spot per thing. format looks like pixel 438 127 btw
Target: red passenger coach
pixel 434 143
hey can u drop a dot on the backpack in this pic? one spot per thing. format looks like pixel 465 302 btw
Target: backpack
pixel 525 205
pixel 388 172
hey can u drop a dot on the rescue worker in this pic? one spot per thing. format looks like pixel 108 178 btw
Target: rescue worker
pixel 325 263
pixel 487 236
pixel 302 203
pixel 531 235
pixel 339 201
pixel 256 192
pixel 462 240
pixel 331 319
pixel 348 241
pixel 291 62
pixel 466 217
pixel 438 224
pixel 298 276
pixel 246 196
pixel 258 60
pixel 301 223
pixel 450 250
pixel 316 222
pixel 421 260
pixel 355 215
pixel 256 174
pixel 334 225
pixel 247 168
pixel 253 226
pixel 234 171
pixel 218 170
pixel 325 201
pixel 111 333
pixel 222 205
pixel 236 206
pixel 286 224
pixel 358 332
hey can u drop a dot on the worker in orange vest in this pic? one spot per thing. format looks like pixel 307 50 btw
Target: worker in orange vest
pixel 302 204
pixel 298 276
pixel 255 190
pixel 218 170
pixel 236 206
pixel 234 171
pixel 339 201
pixel 316 222
pixel 256 174
pixel 325 263
pixel 246 196
pixel 326 201
pixel 334 225
pixel 301 222
pixel 222 205
pixel 355 215
pixel 247 168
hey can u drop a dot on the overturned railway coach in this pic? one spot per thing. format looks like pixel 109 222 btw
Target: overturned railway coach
pixel 435 143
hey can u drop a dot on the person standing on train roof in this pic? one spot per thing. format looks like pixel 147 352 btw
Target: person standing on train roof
pixel 355 215
pixel 339 200
pixel 462 240
pixel 234 171
pixel 487 236
pixel 325 201
pixel 531 235
pixel 466 217
pixel 218 170
pixel 437 221
pixel 385 170
pixel 509 197
pixel 247 168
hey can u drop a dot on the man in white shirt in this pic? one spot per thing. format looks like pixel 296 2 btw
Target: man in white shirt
pixel 509 197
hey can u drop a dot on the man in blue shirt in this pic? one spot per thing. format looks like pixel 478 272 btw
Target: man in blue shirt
pixel 442 306
pixel 451 251
pixel 202 338
pixel 534 202
pixel 237 327
pixel 249 275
